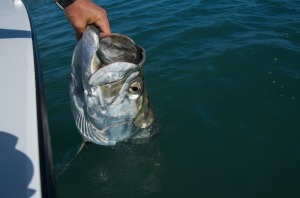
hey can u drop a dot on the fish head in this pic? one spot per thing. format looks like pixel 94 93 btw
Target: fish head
pixel 117 92
pixel 109 100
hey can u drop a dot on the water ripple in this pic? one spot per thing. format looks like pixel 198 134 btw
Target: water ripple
pixel 223 77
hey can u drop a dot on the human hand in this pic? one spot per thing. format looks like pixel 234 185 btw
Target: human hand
pixel 82 13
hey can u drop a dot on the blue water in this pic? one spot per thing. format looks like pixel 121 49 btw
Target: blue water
pixel 224 80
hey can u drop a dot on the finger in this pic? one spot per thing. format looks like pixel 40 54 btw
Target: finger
pixel 104 31
pixel 104 28
pixel 78 35
pixel 104 34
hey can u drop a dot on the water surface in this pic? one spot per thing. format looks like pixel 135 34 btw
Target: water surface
pixel 224 81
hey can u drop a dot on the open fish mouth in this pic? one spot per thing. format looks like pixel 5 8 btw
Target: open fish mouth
pixel 108 97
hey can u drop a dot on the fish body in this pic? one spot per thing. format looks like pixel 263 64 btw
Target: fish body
pixel 108 99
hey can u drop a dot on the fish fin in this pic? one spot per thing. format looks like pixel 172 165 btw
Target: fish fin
pixel 82 146
pixel 70 161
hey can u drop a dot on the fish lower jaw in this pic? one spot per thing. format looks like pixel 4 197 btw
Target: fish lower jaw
pixel 108 135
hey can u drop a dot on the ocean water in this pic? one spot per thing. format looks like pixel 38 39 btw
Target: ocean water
pixel 224 80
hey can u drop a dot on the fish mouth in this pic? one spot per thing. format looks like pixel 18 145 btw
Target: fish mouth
pixel 126 122
pixel 117 47
pixel 117 123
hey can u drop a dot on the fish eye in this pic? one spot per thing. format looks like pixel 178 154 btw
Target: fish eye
pixel 135 87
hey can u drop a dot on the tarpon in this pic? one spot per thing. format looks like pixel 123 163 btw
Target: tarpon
pixel 108 99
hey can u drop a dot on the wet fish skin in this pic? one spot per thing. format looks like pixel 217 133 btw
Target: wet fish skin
pixel 108 100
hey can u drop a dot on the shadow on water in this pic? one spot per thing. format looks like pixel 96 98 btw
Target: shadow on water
pixel 14 165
